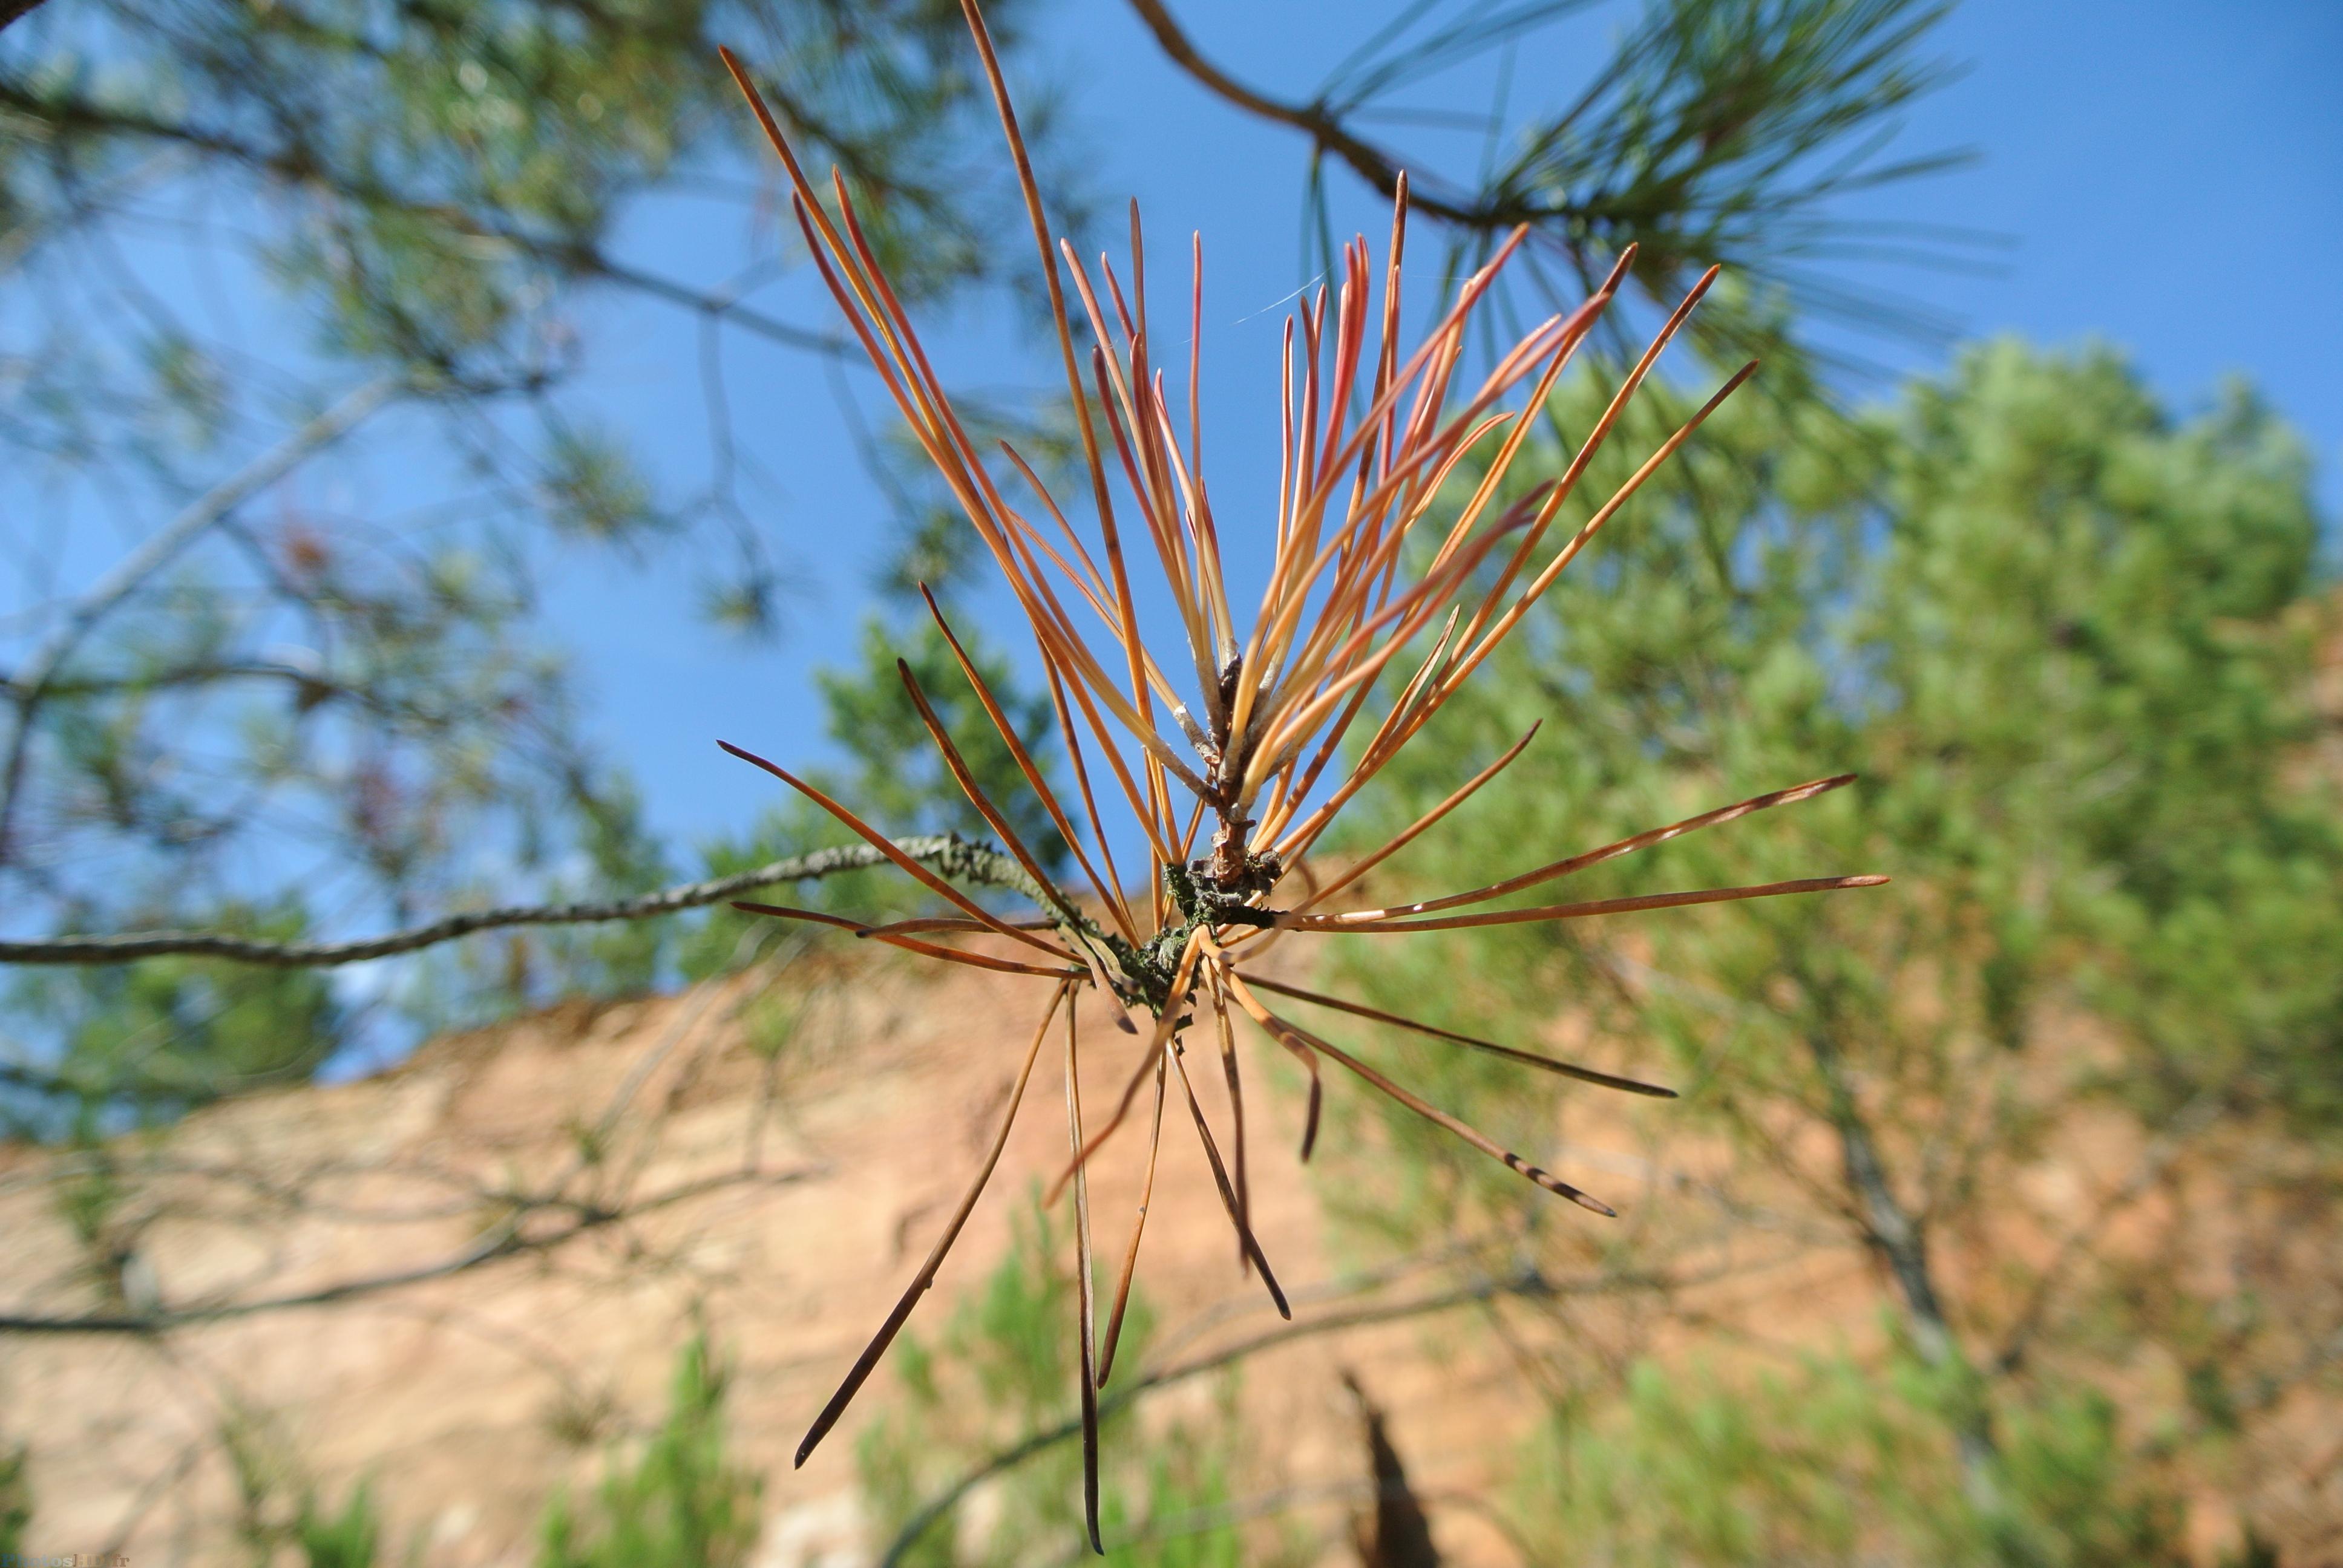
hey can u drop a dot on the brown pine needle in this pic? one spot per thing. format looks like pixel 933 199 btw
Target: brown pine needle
pixel 1527 1058
pixel 1317 1098
pixel 1158 830
pixel 1395 731
pixel 1086 1298
pixel 1237 1217
pixel 1041 791
pixel 1243 1207
pixel 1138 1224
pixel 886 847
pixel 909 944
pixel 1593 525
pixel 1293 731
pixel 947 923
pixel 1182 979
pixel 966 779
pixel 1090 800
pixel 1070 921
pixel 1568 484
pixel 1580 862
pixel 1436 1115
pixel 1580 911
pixel 869 1359
pixel 1407 836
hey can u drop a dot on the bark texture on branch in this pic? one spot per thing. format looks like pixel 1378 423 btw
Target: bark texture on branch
pixel 950 854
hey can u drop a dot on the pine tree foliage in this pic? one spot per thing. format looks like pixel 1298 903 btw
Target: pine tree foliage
pixel 304 294
pixel 684 1502
pixel 1706 133
pixel 2066 640
pixel 301 297
pixel 999 1371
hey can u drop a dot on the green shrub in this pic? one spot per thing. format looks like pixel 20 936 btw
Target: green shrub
pixel 1830 1461
pixel 682 1503
pixel 350 1539
pixel 1005 1367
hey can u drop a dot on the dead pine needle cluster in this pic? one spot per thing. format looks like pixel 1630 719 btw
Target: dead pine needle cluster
pixel 1234 755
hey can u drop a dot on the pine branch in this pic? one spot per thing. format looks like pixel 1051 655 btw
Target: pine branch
pixel 1718 132
pixel 299 167
pixel 506 1239
pixel 1378 167
pixel 33 681
pixel 949 852
pixel 1528 1284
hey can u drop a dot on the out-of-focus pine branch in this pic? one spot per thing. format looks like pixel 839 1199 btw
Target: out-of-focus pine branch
pixel 277 676
pixel 1715 132
pixel 950 854
pixel 510 1236
pixel 347 714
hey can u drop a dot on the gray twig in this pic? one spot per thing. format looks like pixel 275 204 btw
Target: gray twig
pixel 1529 1284
pixel 950 854
pixel 33 682
pixel 506 1239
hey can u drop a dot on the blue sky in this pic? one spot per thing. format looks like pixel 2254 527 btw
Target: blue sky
pixel 2168 173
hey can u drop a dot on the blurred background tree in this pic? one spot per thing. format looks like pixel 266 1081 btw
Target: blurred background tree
pixel 302 296
pixel 236 707
pixel 1000 1369
pixel 2067 641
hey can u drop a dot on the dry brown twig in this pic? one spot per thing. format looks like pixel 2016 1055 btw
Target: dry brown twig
pixel 1358 575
